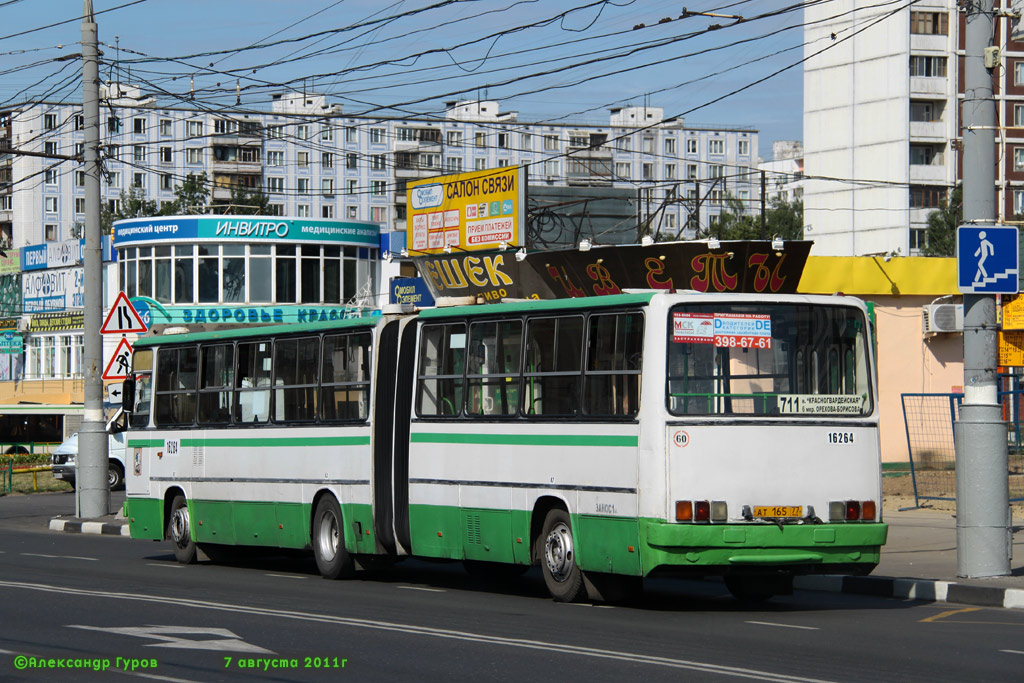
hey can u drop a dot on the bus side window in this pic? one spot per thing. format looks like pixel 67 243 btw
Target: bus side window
pixel 252 382
pixel 442 366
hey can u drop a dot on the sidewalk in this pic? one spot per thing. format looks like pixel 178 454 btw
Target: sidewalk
pixel 918 561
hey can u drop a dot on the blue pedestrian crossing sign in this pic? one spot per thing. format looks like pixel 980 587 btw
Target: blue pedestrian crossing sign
pixel 987 259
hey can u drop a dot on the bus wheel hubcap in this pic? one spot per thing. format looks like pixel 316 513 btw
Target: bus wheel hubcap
pixel 179 526
pixel 558 552
pixel 327 538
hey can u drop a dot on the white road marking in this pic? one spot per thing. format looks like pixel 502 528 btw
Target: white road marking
pixel 769 623
pixel 62 557
pixel 164 564
pixel 1013 652
pixel 287 576
pixel 228 641
pixel 421 588
pixel 556 648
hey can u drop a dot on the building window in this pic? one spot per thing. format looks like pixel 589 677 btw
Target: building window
pixel 716 171
pixel 50 204
pixel 327 160
pixel 275 184
pixel 302 132
pixel 351 134
pixel 670 146
pixel 302 185
pixel 139 154
pixel 165 127
pixel 353 212
pixel 165 155
pixel 922 112
pixel 1018 158
pixel 327 186
pixel 79 178
pixel 526 143
pixel 691 145
pixel 50 176
pixel 1018 202
pixel 454 138
pixel 193 155
pixel 352 185
pixel 139 180
pixel 921 155
pixel 550 143
pixel 302 211
pixel 302 159
pixel 79 204
pixel 379 214
pixel 929 67
pixel 275 158
pixel 716 146
pixel 691 171
pixel 551 168
pixel 502 163
pixel 670 171
pixel 1018 115
pixel 648 171
pixel 50 148
pixel 647 145
pixel 79 121
pixel 49 121
pixel 378 188
pixel 114 179
pixel 624 144
pixel 503 140
pixel 376 136
pixel 453 164
pixel 623 170
pixel 918 239
pixel 139 126
pixel 194 129
pixel 80 150
pixel 743 147
pixel 166 181
pixel 50 232
pixel 327 211
pixel 926 196
pixel 378 162
pixel 929 23
pixel 326 133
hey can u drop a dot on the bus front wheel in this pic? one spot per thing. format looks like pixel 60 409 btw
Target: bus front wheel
pixel 557 553
pixel 179 532
pixel 332 559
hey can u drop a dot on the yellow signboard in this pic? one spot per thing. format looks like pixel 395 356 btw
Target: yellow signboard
pixel 1011 349
pixel 467 211
pixel 1012 310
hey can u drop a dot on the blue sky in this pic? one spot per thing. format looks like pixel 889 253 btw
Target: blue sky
pixel 564 70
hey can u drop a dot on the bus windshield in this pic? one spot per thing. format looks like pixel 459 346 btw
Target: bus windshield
pixel 791 360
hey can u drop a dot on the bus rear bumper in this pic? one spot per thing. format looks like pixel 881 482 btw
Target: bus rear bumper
pixel 741 548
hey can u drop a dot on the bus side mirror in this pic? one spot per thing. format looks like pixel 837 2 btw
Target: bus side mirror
pixel 128 395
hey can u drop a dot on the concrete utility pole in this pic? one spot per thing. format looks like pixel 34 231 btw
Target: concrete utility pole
pixel 982 485
pixel 93 496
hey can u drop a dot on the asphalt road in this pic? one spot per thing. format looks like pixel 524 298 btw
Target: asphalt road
pixel 89 600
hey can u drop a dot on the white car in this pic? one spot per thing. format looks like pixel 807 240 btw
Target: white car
pixel 63 460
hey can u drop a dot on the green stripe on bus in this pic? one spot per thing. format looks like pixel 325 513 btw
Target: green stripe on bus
pixel 251 442
pixel 145 443
pixel 611 440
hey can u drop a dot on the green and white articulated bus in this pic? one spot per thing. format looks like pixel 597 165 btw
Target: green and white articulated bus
pixel 604 439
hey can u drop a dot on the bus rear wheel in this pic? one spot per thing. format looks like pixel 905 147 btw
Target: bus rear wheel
pixel 557 553
pixel 179 532
pixel 332 559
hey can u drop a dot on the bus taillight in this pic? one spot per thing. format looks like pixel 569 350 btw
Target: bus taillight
pixel 684 511
pixel 852 510
pixel 702 511
pixel 867 511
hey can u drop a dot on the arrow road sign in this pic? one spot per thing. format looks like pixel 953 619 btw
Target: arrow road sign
pixel 987 259
pixel 123 318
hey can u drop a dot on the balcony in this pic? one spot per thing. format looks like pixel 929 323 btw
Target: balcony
pixel 929 85
pixel 925 130
pixel 935 173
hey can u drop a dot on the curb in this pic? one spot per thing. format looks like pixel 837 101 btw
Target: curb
pixel 80 527
pixel 915 589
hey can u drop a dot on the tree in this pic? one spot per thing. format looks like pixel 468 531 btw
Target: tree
pixel 782 218
pixel 940 237
pixel 133 205
pixel 191 197
pixel 244 202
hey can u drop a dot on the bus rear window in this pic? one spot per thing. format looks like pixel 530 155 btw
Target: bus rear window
pixel 786 360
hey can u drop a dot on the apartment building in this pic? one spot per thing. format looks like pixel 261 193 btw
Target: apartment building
pixel 313 161
pixel 883 89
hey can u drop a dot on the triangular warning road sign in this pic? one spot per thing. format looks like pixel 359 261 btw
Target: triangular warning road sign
pixel 123 318
pixel 119 363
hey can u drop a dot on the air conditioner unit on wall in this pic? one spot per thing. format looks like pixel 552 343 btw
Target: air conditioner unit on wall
pixel 942 319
